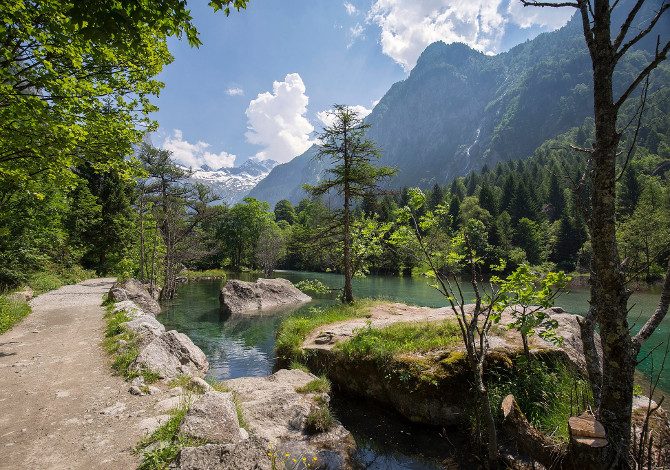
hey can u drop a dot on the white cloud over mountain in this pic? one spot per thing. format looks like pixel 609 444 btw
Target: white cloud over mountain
pixel 408 27
pixel 195 155
pixel 327 119
pixel 277 122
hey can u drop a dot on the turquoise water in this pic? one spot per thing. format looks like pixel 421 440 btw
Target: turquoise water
pixel 238 346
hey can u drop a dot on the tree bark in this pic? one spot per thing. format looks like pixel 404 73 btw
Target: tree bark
pixel 609 296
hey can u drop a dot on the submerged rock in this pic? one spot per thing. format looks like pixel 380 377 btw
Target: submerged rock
pixel 134 290
pixel 264 294
pixel 172 354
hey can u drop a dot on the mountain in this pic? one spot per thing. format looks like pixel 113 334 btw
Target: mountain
pixel 233 184
pixel 460 109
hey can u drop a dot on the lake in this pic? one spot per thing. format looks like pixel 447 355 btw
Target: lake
pixel 244 346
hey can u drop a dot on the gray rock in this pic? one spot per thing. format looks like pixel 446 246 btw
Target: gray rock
pixel 199 385
pixel 129 307
pixel 277 415
pixel 135 390
pixel 213 418
pixel 245 455
pixel 264 294
pixel 146 327
pixel 21 296
pixel 134 290
pixel 149 425
pixel 170 355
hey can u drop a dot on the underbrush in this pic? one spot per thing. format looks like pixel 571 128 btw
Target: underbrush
pixel 121 344
pixel 383 344
pixel 547 391
pixel 56 277
pixel 318 385
pixel 295 328
pixel 12 311
pixel 208 273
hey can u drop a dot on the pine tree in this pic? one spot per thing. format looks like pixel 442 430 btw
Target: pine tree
pixel 436 197
pixel 351 174
pixel 488 199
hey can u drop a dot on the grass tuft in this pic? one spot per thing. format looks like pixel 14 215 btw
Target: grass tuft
pixel 320 419
pixel 295 328
pixel 383 344
pixel 320 385
pixel 12 311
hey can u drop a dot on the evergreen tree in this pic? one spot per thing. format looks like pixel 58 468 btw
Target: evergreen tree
pixel 436 197
pixel 630 191
pixel 487 199
pixel 351 174
pixel 555 198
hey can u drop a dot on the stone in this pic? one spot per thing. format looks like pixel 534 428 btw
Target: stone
pixel 24 295
pixel 586 430
pixel 149 425
pixel 213 418
pixel 170 403
pixel 172 354
pixel 129 307
pixel 277 415
pixel 264 294
pixel 146 327
pixel 135 390
pixel 247 454
pixel 199 384
pixel 134 290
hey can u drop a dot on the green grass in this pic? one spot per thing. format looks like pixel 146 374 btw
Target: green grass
pixel 121 344
pixel 548 392
pixel 320 385
pixel 165 442
pixel 384 343
pixel 319 419
pixel 295 328
pixel 213 273
pixel 11 312
pixel 56 277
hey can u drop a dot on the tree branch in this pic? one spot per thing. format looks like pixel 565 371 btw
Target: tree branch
pixel 640 35
pixel 659 57
pixel 533 3
pixel 658 316
pixel 626 24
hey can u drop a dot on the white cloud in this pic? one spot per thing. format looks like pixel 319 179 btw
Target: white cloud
pixel 195 155
pixel 408 27
pixel 276 120
pixel 235 91
pixel 525 17
pixel 327 119
pixel 351 8
pixel 355 33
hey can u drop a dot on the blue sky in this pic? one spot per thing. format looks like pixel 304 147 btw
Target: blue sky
pixel 259 84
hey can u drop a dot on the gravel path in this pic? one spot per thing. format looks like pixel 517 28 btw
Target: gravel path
pixel 61 406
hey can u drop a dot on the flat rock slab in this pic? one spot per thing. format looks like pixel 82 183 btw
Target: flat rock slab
pixel 262 295
pixel 62 407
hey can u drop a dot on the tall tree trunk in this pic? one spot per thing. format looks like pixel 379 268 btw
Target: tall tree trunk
pixel 608 292
pixel 348 294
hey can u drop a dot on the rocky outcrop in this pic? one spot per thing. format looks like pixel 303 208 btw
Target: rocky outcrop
pixel 213 418
pixel 134 290
pixel 172 354
pixel 276 418
pixel 264 294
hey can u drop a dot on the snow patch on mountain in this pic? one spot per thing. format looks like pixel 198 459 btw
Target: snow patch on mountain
pixel 233 184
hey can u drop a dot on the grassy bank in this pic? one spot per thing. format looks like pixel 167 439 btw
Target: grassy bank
pixel 207 274
pixel 295 328
pixel 12 311
pixel 121 344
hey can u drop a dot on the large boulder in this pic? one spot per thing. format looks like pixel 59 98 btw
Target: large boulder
pixel 146 327
pixel 172 354
pixel 248 454
pixel 264 294
pixel 134 290
pixel 213 418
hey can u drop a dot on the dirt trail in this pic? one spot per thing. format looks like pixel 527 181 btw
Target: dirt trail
pixel 61 406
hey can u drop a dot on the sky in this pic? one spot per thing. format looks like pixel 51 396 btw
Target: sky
pixel 264 79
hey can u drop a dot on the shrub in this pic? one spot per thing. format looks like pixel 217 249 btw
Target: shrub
pixel 11 312
pixel 319 419
pixel 320 385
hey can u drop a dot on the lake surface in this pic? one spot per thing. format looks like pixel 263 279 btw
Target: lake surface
pixel 241 346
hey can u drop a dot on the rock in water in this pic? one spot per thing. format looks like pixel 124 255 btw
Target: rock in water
pixel 172 354
pixel 264 294
pixel 134 290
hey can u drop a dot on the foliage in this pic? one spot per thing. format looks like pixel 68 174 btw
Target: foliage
pixel 318 385
pixel 270 248
pixel 529 294
pixel 313 286
pixel 12 311
pixel 208 273
pixel 294 329
pixel 547 392
pixel 383 344
pixel 319 419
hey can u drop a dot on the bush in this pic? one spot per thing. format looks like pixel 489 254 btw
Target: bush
pixel 319 419
pixel 320 385
pixel 11 312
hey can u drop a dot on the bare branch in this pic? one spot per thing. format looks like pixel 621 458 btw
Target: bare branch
pixel 533 3
pixel 659 57
pixel 658 316
pixel 626 24
pixel 640 111
pixel 640 35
